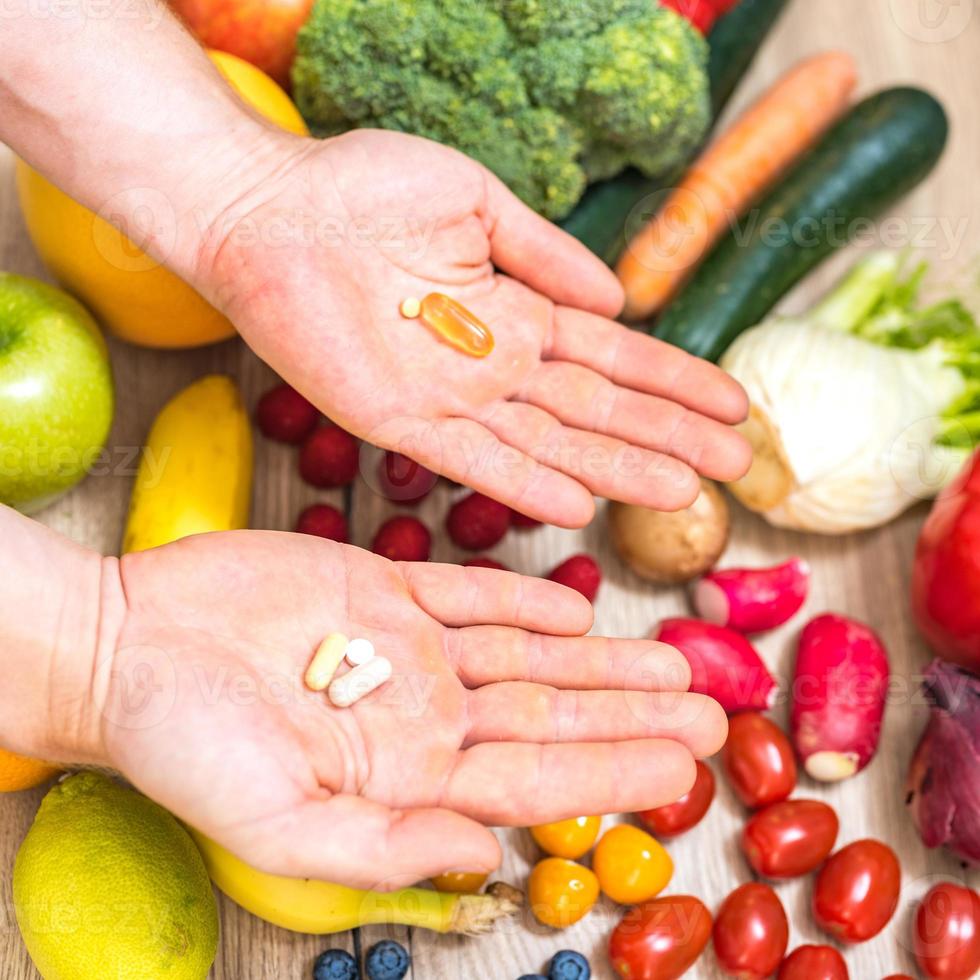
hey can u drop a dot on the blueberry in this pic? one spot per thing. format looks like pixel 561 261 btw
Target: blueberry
pixel 533 976
pixel 335 964
pixel 386 960
pixel 569 965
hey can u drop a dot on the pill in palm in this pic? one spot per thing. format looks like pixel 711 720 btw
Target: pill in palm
pixel 325 661
pixel 452 321
pixel 359 651
pixel 359 682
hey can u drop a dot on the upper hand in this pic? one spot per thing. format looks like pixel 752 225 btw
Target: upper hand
pixel 313 260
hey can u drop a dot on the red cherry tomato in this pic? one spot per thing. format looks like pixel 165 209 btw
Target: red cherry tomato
pixel 789 839
pixel 751 932
pixel 857 891
pixel 899 976
pixel 679 817
pixel 758 760
pixel 813 963
pixel 946 934
pixel 660 939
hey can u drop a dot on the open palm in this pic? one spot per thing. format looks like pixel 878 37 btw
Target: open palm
pixel 315 261
pixel 498 712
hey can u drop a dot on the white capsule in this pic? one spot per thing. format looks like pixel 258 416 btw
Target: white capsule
pixel 325 662
pixel 359 651
pixel 359 682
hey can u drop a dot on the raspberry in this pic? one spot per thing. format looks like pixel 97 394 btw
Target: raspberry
pixel 522 521
pixel 484 562
pixel 402 539
pixel 403 480
pixel 476 522
pixel 324 521
pixel 580 572
pixel 329 457
pixel 285 415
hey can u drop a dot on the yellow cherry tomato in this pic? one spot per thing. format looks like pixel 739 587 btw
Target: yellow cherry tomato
pixel 567 838
pixel 631 865
pixel 459 882
pixel 561 891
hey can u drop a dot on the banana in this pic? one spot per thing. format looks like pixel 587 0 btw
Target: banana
pixel 195 472
pixel 319 907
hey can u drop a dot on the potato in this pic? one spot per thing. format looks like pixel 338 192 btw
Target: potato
pixel 672 548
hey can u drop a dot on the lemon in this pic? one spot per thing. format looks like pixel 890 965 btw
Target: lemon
pixel 108 886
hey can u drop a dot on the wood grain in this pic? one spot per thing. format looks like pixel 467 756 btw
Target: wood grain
pixel 934 43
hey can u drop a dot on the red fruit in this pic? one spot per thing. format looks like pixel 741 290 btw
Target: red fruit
pixel 324 521
pixel 285 415
pixel 701 13
pixel 789 839
pixel 751 932
pixel 758 760
pixel 839 690
pixel 813 963
pixel 403 539
pixel 685 813
pixel 329 457
pixel 581 573
pixel 857 891
pixel 521 521
pixel 403 480
pixel 724 665
pixel 476 522
pixel 946 934
pixel 660 939
pixel 946 572
pixel 484 562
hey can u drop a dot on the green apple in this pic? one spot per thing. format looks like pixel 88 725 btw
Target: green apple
pixel 56 394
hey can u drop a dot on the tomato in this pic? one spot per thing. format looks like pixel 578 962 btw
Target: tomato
pixel 789 839
pixel 899 976
pixel 631 865
pixel 567 838
pixel 680 816
pixel 857 891
pixel 813 963
pixel 561 892
pixel 660 939
pixel 459 882
pixel 946 934
pixel 751 932
pixel 758 760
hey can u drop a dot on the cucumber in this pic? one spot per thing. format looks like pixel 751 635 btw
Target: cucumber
pixel 880 150
pixel 603 219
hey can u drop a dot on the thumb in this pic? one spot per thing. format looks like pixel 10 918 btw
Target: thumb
pixel 363 844
pixel 538 253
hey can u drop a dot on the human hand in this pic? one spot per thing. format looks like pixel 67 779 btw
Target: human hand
pixel 325 239
pixel 499 711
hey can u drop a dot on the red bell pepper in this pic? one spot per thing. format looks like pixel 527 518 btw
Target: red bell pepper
pixel 946 575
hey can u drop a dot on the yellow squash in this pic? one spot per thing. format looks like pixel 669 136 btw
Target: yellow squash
pixel 195 474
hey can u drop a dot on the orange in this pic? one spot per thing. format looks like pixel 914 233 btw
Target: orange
pixel 132 295
pixel 18 772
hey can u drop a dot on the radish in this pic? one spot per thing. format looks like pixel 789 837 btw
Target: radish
pixel 724 665
pixel 752 600
pixel 838 696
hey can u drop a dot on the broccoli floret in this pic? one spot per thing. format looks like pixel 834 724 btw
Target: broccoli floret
pixel 548 94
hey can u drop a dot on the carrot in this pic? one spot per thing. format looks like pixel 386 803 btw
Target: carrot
pixel 725 180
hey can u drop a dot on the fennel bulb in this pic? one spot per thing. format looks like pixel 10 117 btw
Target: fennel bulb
pixel 861 406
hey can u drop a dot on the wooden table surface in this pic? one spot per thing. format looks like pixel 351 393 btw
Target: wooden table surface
pixel 935 43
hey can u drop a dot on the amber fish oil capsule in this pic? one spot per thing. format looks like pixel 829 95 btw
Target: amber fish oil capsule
pixel 452 321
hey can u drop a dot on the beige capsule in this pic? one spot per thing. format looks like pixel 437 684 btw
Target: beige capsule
pixel 325 661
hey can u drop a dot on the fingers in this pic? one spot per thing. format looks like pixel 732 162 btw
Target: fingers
pixel 580 397
pixel 537 252
pixel 608 467
pixel 459 596
pixel 488 654
pixel 634 360
pixel 356 842
pixel 466 451
pixel 519 784
pixel 522 712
